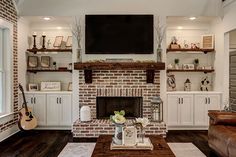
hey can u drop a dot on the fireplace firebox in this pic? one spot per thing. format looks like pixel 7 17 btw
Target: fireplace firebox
pixel 107 105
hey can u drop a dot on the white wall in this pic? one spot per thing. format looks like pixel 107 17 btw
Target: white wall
pixel 23 31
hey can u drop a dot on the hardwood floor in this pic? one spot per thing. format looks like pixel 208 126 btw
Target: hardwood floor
pixel 44 143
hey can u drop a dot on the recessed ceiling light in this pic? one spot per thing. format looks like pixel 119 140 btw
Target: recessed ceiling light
pixel 179 27
pixel 47 18
pixel 192 18
pixel 59 27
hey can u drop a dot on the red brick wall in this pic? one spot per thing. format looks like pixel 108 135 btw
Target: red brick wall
pixel 111 82
pixel 8 13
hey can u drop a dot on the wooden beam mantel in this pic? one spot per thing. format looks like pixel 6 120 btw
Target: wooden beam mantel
pixel 120 66
pixel 150 68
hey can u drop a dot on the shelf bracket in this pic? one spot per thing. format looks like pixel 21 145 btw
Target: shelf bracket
pixel 150 76
pixel 88 76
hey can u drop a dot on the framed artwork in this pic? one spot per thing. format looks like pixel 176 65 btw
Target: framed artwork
pixel 208 41
pixel 57 42
pixel 70 86
pixel 69 41
pixel 32 61
pixel 129 136
pixel 33 87
pixel 50 86
pixel 45 61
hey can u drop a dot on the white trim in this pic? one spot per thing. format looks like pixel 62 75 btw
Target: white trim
pixel 7 28
pixel 15 5
pixel 6 117
pixel 9 132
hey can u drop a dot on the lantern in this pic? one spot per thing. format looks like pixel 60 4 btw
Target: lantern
pixel 157 109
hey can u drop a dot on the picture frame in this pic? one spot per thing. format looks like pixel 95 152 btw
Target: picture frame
pixel 50 86
pixel 57 42
pixel 70 86
pixel 208 41
pixel 33 87
pixel 188 66
pixel 32 61
pixel 45 61
pixel 129 136
pixel 69 41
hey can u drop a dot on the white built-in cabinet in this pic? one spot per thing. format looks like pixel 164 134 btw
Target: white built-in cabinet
pixel 190 109
pixel 50 108
pixel 59 109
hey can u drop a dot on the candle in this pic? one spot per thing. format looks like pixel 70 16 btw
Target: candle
pixel 44 34
pixel 35 33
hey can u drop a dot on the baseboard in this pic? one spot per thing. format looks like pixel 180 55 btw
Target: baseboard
pixel 187 128
pixel 9 132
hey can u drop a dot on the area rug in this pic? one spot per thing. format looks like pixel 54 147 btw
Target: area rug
pixel 86 149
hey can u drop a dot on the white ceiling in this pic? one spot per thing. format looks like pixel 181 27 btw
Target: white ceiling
pixel 75 7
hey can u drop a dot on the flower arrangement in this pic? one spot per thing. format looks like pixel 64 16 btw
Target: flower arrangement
pixel 143 122
pixel 160 30
pixel 118 118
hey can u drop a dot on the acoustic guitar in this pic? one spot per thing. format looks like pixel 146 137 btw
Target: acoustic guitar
pixel 27 121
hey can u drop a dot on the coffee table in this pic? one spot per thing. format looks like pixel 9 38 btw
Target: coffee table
pixel 161 148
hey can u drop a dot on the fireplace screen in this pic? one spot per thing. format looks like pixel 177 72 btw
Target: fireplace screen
pixel 107 105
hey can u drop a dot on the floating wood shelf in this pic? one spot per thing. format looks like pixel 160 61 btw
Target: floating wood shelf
pixel 195 70
pixel 187 50
pixel 150 68
pixel 48 50
pixel 45 70
pixel 120 66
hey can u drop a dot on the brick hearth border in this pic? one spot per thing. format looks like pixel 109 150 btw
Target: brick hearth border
pixel 105 127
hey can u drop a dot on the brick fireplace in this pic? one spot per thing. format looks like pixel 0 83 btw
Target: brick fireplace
pixel 116 83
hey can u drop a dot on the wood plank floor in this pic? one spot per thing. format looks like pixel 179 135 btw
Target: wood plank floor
pixel 43 143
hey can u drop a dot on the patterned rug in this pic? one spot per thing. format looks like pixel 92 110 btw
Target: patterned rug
pixel 86 149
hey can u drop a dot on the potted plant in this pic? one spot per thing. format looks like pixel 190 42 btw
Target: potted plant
pixel 54 65
pixel 176 63
pixel 196 63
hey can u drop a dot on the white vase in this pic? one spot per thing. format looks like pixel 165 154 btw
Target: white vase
pixel 159 55
pixel 85 114
pixel 79 55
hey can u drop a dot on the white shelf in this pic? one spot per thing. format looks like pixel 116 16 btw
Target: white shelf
pixel 48 92
pixel 193 92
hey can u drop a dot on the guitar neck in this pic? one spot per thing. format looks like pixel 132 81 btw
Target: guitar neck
pixel 23 94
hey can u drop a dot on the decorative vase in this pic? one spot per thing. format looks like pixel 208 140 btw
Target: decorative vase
pixel 117 139
pixel 176 66
pixel 142 134
pixel 159 55
pixel 79 54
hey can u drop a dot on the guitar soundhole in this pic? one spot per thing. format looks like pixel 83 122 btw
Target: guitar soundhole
pixel 27 113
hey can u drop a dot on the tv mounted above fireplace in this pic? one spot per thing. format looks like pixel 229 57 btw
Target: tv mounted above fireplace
pixel 119 34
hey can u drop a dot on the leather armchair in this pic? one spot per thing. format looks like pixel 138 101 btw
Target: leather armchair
pixel 222 133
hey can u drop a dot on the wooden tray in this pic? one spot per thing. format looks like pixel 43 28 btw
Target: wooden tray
pixel 147 145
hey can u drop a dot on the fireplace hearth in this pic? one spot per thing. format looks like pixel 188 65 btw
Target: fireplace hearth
pixel 107 105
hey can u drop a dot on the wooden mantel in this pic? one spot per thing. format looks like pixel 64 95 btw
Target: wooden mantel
pixel 150 68
pixel 120 66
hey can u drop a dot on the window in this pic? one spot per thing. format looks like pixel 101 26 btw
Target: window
pixel 1 71
pixel 6 48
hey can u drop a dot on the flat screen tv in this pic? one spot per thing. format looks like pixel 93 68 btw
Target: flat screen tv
pixel 119 34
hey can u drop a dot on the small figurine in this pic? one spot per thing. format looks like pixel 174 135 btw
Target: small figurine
pixel 171 85
pixel 48 43
pixel 205 84
pixel 187 85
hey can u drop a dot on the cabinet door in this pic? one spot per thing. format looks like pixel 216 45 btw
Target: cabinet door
pixel 186 110
pixel 200 110
pixel 53 109
pixel 29 100
pixel 66 110
pixel 214 101
pixel 40 108
pixel 173 110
